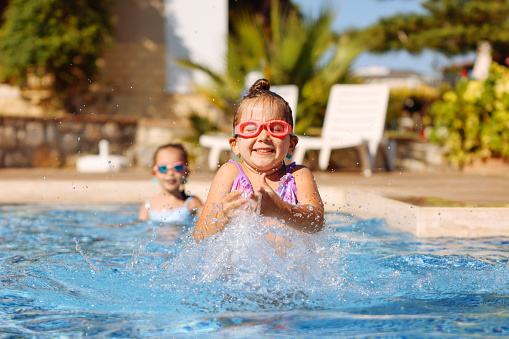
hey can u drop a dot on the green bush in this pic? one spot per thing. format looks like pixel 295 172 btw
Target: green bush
pixel 60 37
pixel 472 121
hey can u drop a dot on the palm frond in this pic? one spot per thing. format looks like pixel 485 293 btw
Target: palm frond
pixel 305 52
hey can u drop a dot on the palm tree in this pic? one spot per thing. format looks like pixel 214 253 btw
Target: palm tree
pixel 295 50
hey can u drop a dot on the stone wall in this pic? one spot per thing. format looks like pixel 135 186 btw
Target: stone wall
pixel 57 141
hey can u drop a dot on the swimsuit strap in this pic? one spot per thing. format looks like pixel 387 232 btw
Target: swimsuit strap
pixel 241 181
pixel 148 206
pixel 238 166
pixel 287 189
pixel 290 168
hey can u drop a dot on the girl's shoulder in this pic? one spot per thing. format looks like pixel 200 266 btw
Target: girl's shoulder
pixel 222 183
pixel 303 176
pixel 229 170
pixel 225 175
pixel 299 170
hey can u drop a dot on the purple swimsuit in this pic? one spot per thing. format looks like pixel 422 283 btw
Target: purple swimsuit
pixel 286 190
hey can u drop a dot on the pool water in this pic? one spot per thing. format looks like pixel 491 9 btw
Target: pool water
pixel 76 271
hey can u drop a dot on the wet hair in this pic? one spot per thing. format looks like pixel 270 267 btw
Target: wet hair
pixel 259 94
pixel 177 147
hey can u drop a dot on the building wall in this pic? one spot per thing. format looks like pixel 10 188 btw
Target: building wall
pixel 132 72
pixel 138 76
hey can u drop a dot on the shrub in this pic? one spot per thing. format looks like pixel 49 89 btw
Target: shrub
pixel 58 37
pixel 472 120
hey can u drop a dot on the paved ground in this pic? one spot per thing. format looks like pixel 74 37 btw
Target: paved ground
pixel 32 185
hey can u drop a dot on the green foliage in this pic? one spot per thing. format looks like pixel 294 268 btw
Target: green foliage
pixel 62 37
pixel 297 51
pixel 449 26
pixel 472 121
pixel 200 126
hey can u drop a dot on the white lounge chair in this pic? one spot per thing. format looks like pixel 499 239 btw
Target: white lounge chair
pixel 220 143
pixel 354 117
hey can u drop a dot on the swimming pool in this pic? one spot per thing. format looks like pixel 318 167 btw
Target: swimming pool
pixel 76 271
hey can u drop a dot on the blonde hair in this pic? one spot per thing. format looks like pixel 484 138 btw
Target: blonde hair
pixel 260 95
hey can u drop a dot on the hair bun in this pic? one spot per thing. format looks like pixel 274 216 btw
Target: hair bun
pixel 259 85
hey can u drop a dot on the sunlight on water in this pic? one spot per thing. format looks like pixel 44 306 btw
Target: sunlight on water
pixel 75 271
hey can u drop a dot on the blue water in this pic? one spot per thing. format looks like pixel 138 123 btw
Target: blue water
pixel 76 271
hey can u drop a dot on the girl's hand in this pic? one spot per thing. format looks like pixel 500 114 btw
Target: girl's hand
pixel 270 202
pixel 307 216
pixel 234 202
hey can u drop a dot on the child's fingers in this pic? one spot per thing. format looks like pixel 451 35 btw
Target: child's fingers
pixel 237 203
pixel 233 200
pixel 232 196
pixel 232 208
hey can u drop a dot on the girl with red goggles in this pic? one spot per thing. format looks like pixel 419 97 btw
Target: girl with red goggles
pixel 284 195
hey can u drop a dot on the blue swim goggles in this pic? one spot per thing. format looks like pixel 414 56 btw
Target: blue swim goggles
pixel 178 166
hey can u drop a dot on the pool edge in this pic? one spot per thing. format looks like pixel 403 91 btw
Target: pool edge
pixel 464 222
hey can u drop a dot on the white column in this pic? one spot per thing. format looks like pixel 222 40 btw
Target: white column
pixel 195 30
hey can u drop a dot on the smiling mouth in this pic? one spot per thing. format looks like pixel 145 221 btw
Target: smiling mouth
pixel 264 151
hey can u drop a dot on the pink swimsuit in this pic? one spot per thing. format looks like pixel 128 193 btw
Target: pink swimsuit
pixel 286 190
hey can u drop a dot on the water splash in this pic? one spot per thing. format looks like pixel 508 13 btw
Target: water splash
pixel 80 251
pixel 243 266
pixel 139 249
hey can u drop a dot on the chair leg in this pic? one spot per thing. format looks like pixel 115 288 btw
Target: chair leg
pixel 324 158
pixel 214 155
pixel 391 154
pixel 365 159
pixel 298 155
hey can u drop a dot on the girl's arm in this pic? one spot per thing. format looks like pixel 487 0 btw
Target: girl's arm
pixel 220 204
pixel 143 214
pixel 308 215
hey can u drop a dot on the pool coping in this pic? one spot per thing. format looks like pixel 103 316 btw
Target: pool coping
pixel 424 222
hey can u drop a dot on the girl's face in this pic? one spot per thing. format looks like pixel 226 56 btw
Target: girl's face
pixel 264 152
pixel 170 161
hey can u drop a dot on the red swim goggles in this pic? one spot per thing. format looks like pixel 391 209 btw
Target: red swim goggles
pixel 252 128
pixel 178 166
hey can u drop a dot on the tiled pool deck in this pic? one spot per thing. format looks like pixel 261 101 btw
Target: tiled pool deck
pixel 393 196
